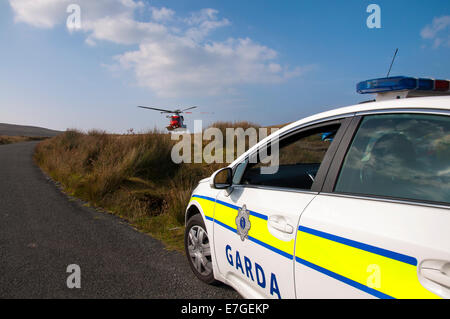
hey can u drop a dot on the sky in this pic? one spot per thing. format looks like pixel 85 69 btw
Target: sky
pixel 268 62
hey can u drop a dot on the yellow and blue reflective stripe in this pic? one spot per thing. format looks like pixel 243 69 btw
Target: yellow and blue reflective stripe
pixel 204 197
pixel 225 226
pixel 258 235
pixel 350 262
pixel 207 204
pixel 340 258
pixel 343 279
pixel 362 246
pixel 274 249
pixel 252 213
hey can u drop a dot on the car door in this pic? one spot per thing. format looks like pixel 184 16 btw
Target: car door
pixel 380 227
pixel 255 224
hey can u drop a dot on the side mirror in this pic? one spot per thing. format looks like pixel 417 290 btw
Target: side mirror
pixel 222 179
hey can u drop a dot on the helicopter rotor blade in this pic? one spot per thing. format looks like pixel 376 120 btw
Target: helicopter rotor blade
pixel 189 108
pixel 156 109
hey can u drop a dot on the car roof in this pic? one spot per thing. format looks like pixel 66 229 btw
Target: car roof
pixel 431 103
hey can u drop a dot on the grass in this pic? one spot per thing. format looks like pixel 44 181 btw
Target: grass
pixel 17 139
pixel 132 176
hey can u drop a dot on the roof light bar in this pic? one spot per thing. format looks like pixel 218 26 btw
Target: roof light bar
pixel 441 85
pixel 402 83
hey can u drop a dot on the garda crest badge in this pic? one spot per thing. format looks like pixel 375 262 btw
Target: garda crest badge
pixel 243 222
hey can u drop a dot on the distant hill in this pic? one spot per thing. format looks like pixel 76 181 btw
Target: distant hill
pixel 22 130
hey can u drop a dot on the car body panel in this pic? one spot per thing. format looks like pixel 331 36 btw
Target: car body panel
pixel 264 248
pixel 369 247
pixel 346 236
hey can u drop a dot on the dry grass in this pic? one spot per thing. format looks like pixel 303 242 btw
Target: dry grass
pixel 17 139
pixel 132 176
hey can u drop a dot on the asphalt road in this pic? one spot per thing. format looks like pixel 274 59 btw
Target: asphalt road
pixel 42 232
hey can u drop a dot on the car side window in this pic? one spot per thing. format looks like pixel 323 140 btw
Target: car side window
pixel 399 156
pixel 299 159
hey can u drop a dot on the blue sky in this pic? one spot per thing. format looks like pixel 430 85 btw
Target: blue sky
pixel 268 62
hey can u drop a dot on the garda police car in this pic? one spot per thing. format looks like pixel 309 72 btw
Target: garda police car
pixel 358 206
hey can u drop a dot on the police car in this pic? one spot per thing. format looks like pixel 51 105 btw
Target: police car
pixel 358 206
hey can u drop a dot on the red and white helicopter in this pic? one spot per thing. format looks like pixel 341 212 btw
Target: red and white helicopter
pixel 176 120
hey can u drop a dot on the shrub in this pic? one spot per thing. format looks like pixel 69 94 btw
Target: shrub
pixel 130 175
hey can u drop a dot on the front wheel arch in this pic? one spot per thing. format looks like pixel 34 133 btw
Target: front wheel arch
pixel 193 210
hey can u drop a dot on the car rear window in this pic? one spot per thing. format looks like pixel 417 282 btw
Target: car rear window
pixel 404 156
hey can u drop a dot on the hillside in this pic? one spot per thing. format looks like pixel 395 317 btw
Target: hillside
pixel 23 130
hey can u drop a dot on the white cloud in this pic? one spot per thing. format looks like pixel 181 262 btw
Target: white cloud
pixel 124 30
pixel 438 31
pixel 39 13
pixel 202 23
pixel 177 66
pixel 48 13
pixel 175 55
pixel 162 14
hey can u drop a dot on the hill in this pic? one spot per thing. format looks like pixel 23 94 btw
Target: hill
pixel 29 131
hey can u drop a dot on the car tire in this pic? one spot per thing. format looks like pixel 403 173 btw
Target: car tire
pixel 198 250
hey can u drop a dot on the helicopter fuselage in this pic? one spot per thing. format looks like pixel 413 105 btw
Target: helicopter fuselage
pixel 176 122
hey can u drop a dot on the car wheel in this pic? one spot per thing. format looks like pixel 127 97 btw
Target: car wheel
pixel 198 250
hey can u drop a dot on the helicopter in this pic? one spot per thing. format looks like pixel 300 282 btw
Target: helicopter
pixel 176 120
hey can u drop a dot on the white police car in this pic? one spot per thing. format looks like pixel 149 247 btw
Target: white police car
pixel 358 208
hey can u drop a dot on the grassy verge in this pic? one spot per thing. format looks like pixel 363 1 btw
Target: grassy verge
pixel 132 176
pixel 16 139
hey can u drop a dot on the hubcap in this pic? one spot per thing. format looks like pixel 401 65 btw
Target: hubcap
pixel 199 250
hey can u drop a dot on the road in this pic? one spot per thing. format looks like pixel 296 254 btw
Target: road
pixel 42 232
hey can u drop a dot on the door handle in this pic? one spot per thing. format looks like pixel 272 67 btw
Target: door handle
pixel 280 223
pixel 436 276
pixel 436 271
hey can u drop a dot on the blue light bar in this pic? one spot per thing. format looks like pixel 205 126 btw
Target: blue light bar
pixel 398 83
pixel 403 83
pixel 425 84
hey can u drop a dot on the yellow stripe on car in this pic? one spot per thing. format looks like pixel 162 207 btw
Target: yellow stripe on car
pixel 259 231
pixel 392 274
pixel 206 203
pixel 377 271
pixel 225 215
